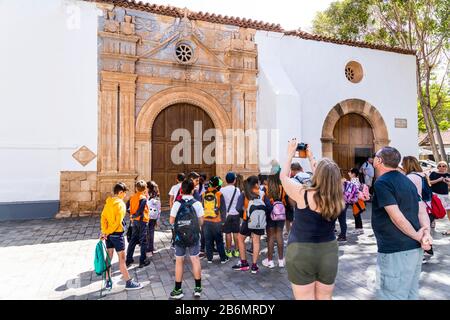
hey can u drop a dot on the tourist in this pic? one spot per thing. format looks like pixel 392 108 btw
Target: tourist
pixel 232 224
pixel 240 181
pixel 439 184
pixel 312 252
pixel 195 177
pixel 297 175
pixel 262 182
pixel 139 217
pixel 274 228
pixel 363 195
pixel 174 193
pixel 202 183
pixel 400 228
pixel 112 226
pixel 368 172
pixel 251 202
pixel 175 190
pixel 414 172
pixel 186 215
pixel 154 207
pixel 350 198
pixel 214 215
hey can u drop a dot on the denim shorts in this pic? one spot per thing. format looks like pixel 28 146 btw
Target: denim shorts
pixel 193 251
pixel 116 241
pixel 398 275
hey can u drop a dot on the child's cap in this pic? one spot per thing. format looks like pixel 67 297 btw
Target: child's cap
pixel 230 177
pixel 215 182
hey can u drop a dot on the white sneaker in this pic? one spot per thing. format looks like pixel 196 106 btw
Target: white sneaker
pixel 281 263
pixel 268 264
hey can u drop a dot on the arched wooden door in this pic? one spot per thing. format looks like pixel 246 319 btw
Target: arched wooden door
pixel 164 170
pixel 353 144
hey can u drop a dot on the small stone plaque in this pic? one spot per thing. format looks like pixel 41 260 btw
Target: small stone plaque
pixel 401 123
pixel 84 155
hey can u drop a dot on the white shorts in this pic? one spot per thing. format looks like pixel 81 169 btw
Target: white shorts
pixel 368 181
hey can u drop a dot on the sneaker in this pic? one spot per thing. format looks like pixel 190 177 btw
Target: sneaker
pixel 198 292
pixel 342 239
pixel 209 261
pixel 133 285
pixel 108 285
pixel 241 267
pixel 228 253
pixel 268 263
pixel 225 261
pixel 201 255
pixel 357 231
pixel 424 260
pixel 129 263
pixel 281 263
pixel 144 264
pixel 176 294
pixel 236 253
pixel 255 268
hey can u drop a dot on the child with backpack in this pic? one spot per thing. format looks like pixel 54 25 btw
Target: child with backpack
pixel 154 207
pixel 186 216
pixel 275 221
pixel 350 198
pixel 232 224
pixel 360 205
pixel 139 216
pixel 253 208
pixel 112 226
pixel 214 215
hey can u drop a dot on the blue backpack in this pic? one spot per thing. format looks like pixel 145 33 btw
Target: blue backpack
pixel 186 226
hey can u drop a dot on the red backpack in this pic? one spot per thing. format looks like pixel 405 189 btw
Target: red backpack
pixel 437 210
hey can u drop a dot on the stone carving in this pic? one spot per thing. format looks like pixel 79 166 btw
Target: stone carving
pixel 84 155
pixel 148 25
pixel 127 27
pixel 111 25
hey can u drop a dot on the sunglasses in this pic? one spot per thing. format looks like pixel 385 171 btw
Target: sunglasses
pixel 441 166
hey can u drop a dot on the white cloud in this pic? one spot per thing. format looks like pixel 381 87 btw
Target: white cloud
pixel 290 14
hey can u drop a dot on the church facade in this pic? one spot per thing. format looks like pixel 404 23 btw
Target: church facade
pixel 121 77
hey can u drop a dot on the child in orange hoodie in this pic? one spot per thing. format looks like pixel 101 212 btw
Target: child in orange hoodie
pixel 112 226
pixel 139 216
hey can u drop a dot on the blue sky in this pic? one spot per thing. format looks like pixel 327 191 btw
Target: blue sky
pixel 291 14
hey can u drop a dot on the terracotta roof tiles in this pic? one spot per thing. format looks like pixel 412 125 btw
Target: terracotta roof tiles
pixel 308 36
pixel 244 23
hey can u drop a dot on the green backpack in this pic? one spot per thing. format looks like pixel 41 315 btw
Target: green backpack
pixel 101 263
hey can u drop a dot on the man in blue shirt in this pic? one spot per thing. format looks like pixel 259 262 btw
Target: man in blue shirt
pixel 402 229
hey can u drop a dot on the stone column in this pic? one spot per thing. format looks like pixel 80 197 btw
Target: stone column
pixel 127 123
pixel 107 154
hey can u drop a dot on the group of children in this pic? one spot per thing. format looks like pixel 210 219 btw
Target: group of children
pixel 200 213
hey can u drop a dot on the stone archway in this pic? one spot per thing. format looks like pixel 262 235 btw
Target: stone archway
pixel 152 108
pixel 361 107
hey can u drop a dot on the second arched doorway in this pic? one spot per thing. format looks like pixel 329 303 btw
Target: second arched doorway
pixel 353 142
pixel 164 168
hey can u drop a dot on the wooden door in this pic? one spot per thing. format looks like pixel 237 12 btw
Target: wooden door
pixel 353 140
pixel 164 170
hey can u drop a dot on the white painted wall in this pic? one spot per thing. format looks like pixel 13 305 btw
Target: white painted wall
pixel 315 72
pixel 48 84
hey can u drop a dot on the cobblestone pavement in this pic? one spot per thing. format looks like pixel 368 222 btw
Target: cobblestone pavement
pixel 53 259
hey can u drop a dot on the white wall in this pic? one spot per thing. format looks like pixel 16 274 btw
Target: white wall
pixel 48 84
pixel 316 72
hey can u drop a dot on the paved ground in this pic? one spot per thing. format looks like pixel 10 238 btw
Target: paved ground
pixel 53 259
